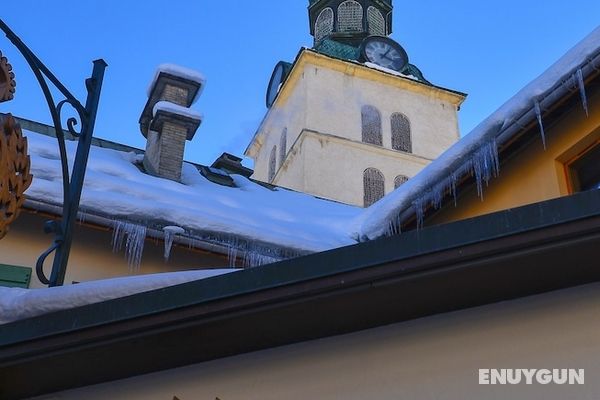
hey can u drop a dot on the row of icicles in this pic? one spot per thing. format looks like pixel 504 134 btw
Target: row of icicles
pixel 483 165
pixel 132 236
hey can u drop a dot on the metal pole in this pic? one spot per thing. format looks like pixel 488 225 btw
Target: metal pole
pixel 61 257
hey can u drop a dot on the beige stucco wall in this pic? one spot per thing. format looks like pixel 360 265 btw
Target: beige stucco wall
pixel 91 255
pixel 431 358
pixel 329 165
pixel 325 96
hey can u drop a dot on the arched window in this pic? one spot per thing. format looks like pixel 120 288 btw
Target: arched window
pixel 401 139
pixel 374 186
pixel 400 180
pixel 376 21
pixel 350 17
pixel 324 24
pixel 371 125
pixel 272 163
pixel 282 147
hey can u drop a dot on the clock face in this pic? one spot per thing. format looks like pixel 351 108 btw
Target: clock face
pixel 279 74
pixel 384 52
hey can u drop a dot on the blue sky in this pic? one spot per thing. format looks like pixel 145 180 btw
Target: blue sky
pixel 486 49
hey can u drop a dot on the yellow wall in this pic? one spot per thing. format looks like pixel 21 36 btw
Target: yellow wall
pixel 534 174
pixel 91 255
pixel 430 358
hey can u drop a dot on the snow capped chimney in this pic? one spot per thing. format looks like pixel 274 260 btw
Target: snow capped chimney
pixel 167 121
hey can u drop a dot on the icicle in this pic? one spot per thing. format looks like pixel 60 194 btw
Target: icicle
pixel 232 253
pixel 170 232
pixel 419 212
pixel 453 188
pixel 134 236
pixel 538 113
pixel 394 227
pixel 82 215
pixel 118 235
pixel 581 85
pixel 485 164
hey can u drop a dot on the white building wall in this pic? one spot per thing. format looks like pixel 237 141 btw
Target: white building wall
pixel 292 115
pixel 334 166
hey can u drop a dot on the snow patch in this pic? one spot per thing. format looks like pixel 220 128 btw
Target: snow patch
pixel 390 71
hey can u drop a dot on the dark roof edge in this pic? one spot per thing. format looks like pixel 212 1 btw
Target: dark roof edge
pixel 312 267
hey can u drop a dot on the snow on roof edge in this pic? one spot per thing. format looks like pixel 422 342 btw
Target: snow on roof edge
pixel 182 72
pixel 375 221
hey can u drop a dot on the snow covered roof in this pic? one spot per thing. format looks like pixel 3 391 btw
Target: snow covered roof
pixel 477 152
pixel 272 223
pixel 17 303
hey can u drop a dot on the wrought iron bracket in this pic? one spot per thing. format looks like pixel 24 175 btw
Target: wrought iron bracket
pixel 72 182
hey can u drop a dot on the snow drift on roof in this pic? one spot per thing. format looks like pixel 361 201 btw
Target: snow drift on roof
pixel 472 149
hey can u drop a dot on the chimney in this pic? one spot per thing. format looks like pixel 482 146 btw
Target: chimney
pixel 167 120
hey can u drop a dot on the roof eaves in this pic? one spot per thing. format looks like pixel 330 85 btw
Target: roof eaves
pixel 499 257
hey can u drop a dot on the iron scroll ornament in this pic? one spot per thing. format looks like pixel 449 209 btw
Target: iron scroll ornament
pixel 72 183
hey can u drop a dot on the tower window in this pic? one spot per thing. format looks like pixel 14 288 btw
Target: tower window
pixel 283 146
pixel 350 17
pixel 324 24
pixel 371 125
pixel 401 138
pixel 400 180
pixel 272 163
pixel 376 21
pixel 374 186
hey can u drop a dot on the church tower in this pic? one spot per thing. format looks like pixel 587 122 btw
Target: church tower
pixel 351 118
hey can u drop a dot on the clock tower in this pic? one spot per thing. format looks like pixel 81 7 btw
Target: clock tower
pixel 351 118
